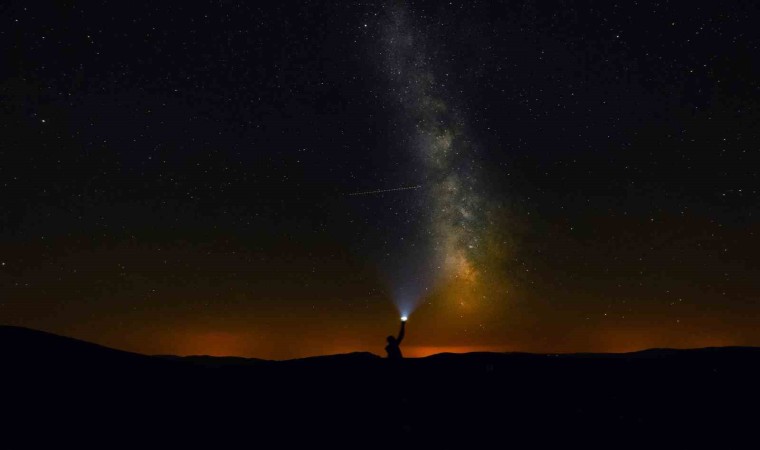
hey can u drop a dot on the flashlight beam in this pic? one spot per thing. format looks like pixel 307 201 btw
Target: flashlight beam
pixel 379 191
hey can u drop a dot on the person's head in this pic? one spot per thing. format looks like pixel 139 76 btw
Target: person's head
pixel 391 340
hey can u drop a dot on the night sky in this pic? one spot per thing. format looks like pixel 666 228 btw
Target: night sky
pixel 202 177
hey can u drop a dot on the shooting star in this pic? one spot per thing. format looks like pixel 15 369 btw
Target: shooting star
pixel 378 191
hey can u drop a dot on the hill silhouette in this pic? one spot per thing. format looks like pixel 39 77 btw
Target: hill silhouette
pixel 79 392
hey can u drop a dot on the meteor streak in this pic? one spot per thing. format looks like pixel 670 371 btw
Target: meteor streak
pixel 378 191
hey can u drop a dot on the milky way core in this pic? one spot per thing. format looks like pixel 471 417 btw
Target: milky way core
pixel 436 134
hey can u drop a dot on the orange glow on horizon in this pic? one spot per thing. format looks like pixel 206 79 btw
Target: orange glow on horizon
pixel 211 343
pixel 283 346
pixel 422 351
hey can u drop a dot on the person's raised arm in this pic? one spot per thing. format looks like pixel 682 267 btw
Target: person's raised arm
pixel 401 333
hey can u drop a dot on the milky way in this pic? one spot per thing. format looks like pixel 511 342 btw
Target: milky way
pixel 436 134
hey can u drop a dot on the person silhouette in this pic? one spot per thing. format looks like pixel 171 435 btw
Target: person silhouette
pixel 393 342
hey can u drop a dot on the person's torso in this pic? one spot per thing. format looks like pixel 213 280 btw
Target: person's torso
pixel 393 351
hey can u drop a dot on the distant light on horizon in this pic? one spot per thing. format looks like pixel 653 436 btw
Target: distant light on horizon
pixel 403 318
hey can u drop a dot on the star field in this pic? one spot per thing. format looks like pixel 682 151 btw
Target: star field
pixel 174 178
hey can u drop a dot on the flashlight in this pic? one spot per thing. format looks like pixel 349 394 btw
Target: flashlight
pixel 403 318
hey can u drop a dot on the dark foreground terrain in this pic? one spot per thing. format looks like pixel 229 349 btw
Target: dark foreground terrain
pixel 61 391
